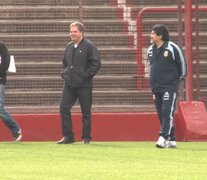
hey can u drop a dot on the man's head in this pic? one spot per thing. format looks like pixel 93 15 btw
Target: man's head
pixel 76 32
pixel 159 33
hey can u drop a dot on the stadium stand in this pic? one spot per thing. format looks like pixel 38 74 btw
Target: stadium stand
pixel 36 33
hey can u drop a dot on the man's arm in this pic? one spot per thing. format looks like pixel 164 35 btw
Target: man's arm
pixel 4 58
pixel 95 62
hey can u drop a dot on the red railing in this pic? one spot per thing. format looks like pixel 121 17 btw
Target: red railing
pixel 188 31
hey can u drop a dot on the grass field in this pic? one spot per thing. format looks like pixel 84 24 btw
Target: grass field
pixel 102 161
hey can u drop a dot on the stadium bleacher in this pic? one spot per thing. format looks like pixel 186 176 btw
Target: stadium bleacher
pixel 36 33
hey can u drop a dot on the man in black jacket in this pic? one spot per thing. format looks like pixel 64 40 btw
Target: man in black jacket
pixel 4 115
pixel 167 68
pixel 80 64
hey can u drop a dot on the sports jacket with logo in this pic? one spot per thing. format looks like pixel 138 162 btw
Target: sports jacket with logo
pixel 167 67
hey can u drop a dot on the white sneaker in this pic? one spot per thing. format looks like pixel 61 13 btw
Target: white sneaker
pixel 161 143
pixel 171 144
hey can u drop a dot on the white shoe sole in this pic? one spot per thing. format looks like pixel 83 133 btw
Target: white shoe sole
pixel 160 146
pixel 161 143
pixel 19 138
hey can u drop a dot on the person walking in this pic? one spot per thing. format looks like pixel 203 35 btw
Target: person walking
pixel 167 68
pixel 4 115
pixel 81 62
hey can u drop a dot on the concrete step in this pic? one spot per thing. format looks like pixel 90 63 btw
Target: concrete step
pixel 113 68
pixel 202 67
pixel 56 54
pixel 57 40
pixel 132 97
pixel 55 82
pixel 55 2
pixel 59 12
pixel 54 26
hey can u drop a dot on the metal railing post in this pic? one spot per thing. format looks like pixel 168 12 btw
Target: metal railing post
pixel 188 50
pixel 197 50
pixel 180 42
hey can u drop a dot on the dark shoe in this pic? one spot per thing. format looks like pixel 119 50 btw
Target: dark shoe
pixel 17 136
pixel 66 140
pixel 86 141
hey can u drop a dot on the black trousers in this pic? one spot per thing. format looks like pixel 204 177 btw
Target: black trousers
pixel 68 99
pixel 165 103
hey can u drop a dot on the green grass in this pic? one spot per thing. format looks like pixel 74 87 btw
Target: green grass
pixel 102 161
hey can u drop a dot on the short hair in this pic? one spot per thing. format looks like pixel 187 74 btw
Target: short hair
pixel 161 30
pixel 79 25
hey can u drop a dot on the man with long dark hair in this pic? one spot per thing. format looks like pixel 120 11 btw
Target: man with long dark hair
pixel 167 68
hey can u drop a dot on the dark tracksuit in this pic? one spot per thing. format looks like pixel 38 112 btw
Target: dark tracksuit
pixel 80 65
pixel 167 68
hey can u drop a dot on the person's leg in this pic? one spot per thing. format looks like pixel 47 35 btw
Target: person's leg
pixel 168 109
pixel 171 132
pixel 85 99
pixel 158 100
pixel 68 99
pixel 6 117
pixel 158 104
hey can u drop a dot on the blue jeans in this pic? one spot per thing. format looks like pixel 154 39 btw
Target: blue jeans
pixel 5 116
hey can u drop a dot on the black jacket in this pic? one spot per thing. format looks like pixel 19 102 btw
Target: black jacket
pixel 80 64
pixel 4 62
pixel 167 67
